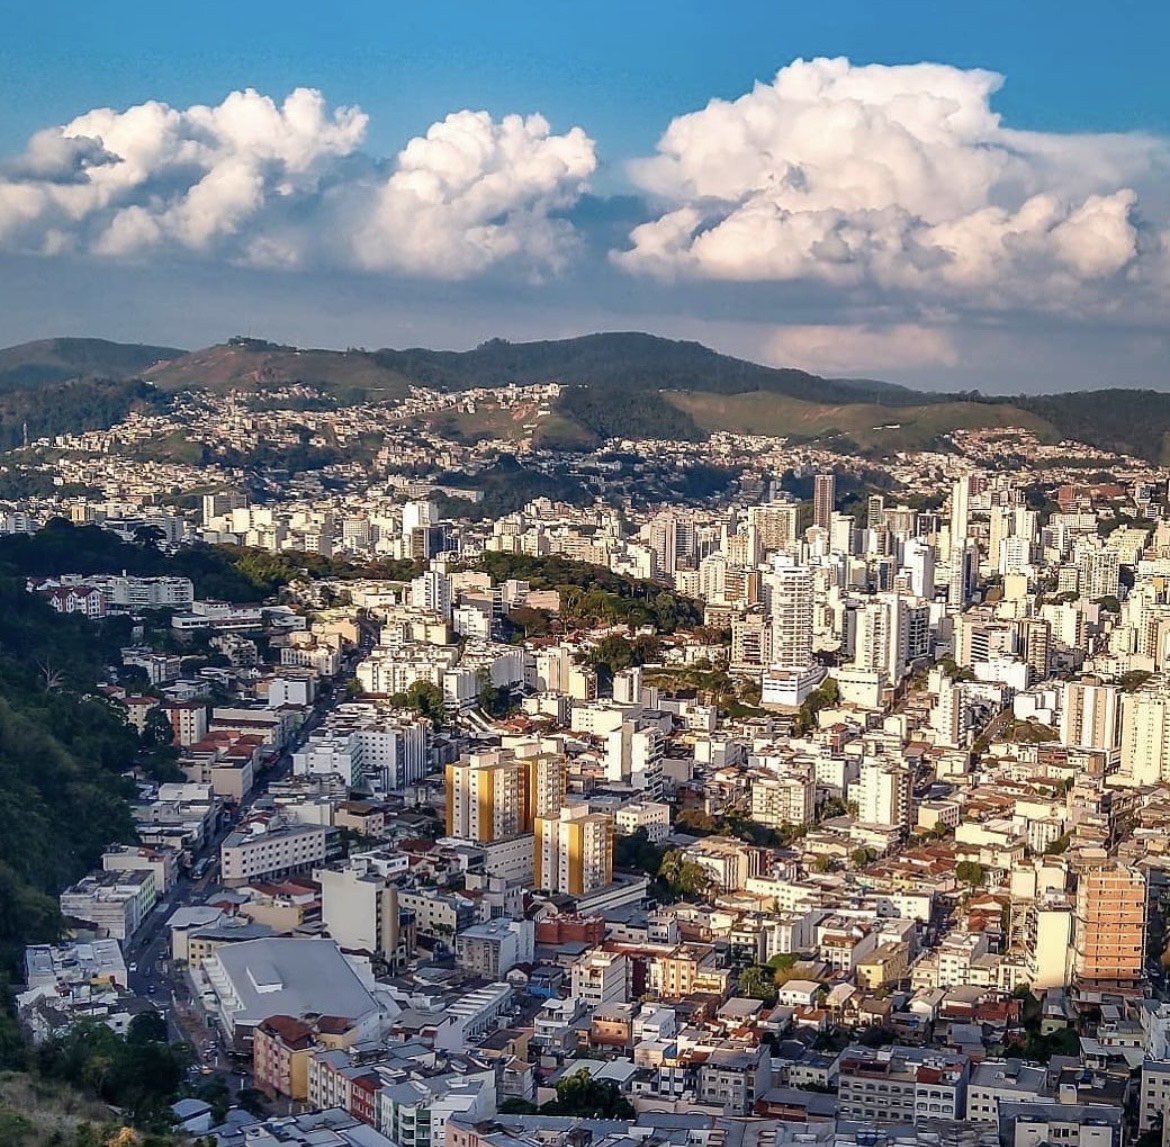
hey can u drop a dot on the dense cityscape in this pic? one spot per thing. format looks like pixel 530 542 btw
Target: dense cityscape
pixel 817 799
pixel 585 575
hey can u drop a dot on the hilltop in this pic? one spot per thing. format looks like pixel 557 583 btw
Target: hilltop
pixel 628 359
pixel 63 360
pixel 244 364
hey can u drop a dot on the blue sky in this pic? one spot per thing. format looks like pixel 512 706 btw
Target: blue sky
pixel 586 222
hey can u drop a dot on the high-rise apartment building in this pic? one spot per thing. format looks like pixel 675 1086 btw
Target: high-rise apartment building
pixel 777 524
pixel 918 560
pixel 359 906
pixel 574 851
pixel 824 499
pixel 883 794
pixel 432 591
pixel 1145 735
pixel 1089 715
pixel 961 562
pixel 1035 646
pixel 633 756
pixel 1109 941
pixel 789 595
pixel 496 795
pixel 786 798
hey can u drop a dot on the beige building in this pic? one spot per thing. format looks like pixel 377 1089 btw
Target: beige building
pixel 573 851
pixel 688 968
pixel 359 908
pixel 787 798
pixel 887 964
pixel 1145 735
pixel 600 978
pixel 497 794
pixel 1089 715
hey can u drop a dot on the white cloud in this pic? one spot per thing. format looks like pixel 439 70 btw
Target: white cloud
pixel 892 179
pixel 286 185
pixel 849 348
pixel 474 191
pixel 153 175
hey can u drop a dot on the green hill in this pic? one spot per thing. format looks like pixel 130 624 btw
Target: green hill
pixel 880 429
pixel 244 364
pixel 1127 421
pixel 60 360
pixel 630 360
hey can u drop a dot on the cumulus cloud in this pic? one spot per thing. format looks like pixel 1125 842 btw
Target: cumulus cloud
pixel 286 185
pixel 474 191
pixel 892 179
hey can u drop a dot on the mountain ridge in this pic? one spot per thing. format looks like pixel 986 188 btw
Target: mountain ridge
pixel 67 359
pixel 615 384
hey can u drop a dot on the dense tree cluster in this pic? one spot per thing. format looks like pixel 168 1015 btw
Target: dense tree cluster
pixel 507 486
pixel 1127 421
pixel 594 595
pixel 228 573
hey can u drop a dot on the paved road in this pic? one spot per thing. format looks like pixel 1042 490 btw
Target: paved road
pixel 150 972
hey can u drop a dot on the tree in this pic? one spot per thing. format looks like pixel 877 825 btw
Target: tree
pixel 582 1095
pixel 1132 681
pixel 147 1027
pixel 831 807
pixel 824 696
pixel 758 983
pixel 685 877
pixel 251 1101
pixel 157 730
pixel 969 872
pixel 426 699
pixel 636 853
pixel 862 856
pixel 214 1090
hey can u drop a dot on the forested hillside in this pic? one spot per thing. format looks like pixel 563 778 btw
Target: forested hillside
pixel 63 748
pixel 70 407
pixel 60 360
pixel 1127 421
pixel 634 361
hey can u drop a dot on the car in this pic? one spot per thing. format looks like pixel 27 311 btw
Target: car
pixel 132 968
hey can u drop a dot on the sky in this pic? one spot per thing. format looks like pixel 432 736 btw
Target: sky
pixel 950 196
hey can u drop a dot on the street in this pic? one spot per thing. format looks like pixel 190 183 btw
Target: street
pixel 152 975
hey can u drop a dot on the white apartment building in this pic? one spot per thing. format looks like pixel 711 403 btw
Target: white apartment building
pixel 359 907
pixel 600 978
pixel 883 794
pixel 261 850
pixel 653 816
pixel 114 904
pixel 574 851
pixel 1145 733
pixel 633 756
